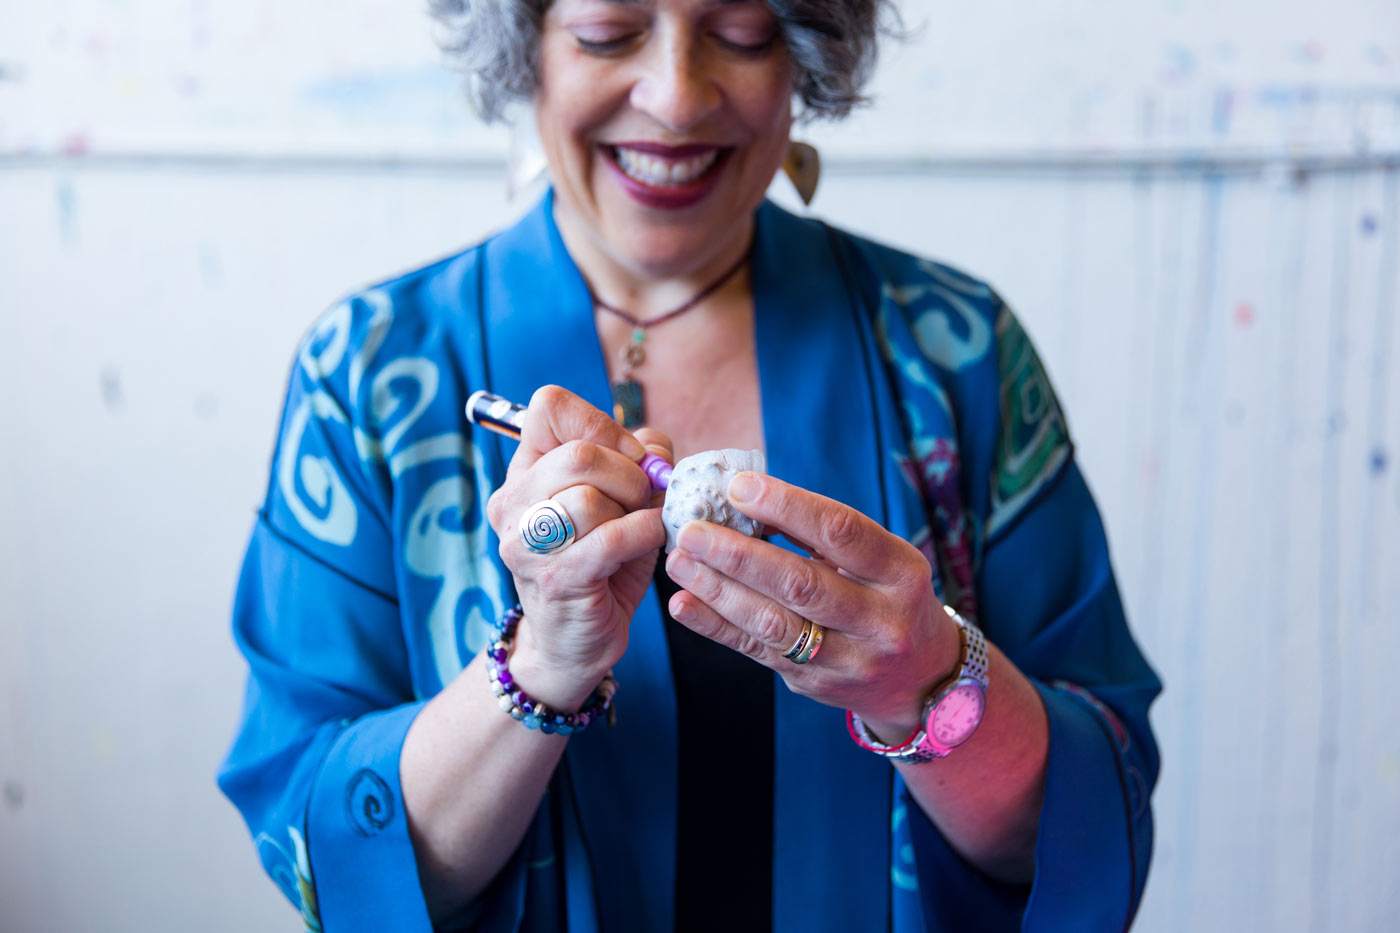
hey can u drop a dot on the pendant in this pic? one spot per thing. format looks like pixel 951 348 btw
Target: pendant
pixel 629 405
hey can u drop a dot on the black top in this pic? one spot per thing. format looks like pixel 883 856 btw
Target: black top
pixel 724 814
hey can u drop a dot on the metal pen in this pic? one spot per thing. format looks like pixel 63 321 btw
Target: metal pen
pixel 506 417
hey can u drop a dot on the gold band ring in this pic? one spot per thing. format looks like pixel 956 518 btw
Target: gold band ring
pixel 808 643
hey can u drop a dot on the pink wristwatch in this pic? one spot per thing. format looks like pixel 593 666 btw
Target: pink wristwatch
pixel 952 711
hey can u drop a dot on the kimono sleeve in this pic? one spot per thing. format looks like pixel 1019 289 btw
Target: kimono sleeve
pixel 314 767
pixel 1095 837
pixel 1048 598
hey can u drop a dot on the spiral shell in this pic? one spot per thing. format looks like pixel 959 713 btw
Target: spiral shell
pixel 546 527
pixel 698 487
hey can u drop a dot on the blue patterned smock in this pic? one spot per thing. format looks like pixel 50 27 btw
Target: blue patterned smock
pixel 898 386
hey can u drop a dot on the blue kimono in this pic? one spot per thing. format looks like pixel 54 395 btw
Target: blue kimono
pixel 896 385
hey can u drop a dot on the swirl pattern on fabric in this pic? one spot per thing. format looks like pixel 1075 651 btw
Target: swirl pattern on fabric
pixel 1034 441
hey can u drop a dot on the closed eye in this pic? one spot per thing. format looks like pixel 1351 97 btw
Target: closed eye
pixel 605 46
pixel 747 48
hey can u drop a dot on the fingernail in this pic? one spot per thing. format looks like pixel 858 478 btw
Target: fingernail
pixel 743 488
pixel 632 448
pixel 680 567
pixel 694 538
pixel 680 609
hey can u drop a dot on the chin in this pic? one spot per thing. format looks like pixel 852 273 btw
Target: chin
pixel 667 252
pixel 672 246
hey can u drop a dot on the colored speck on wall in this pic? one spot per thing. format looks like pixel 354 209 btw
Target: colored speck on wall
pixel 109 382
pixel 66 201
pixel 1243 315
pixel 1369 224
pixel 206 406
pixel 1179 63
pixel 1151 467
pixel 1379 461
pixel 211 269
pixel 1311 51
pixel 76 144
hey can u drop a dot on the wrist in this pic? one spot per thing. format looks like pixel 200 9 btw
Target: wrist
pixel 533 711
pixel 950 714
pixel 895 718
pixel 560 685
pixel 891 731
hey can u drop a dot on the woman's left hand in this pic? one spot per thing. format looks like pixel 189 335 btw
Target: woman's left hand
pixel 887 641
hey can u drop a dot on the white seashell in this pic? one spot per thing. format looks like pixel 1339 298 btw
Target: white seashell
pixel 698 488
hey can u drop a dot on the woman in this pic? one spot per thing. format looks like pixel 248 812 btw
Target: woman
pixel 917 457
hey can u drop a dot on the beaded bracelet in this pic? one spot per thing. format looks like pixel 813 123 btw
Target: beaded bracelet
pixel 531 712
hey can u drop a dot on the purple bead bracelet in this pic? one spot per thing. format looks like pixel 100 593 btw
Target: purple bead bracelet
pixel 531 712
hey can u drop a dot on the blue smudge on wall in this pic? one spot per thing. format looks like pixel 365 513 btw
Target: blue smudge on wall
pixel 67 202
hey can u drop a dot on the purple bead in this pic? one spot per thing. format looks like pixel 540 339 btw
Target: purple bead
pixel 527 706
pixel 505 678
pixel 499 655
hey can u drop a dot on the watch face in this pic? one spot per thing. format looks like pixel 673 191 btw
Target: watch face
pixel 956 714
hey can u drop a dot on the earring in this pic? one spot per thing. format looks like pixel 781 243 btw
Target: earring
pixel 804 168
pixel 525 163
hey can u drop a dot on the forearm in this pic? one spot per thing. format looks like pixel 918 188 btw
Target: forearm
pixel 473 778
pixel 985 797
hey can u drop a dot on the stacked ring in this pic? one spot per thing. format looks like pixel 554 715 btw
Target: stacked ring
pixel 809 642
pixel 546 527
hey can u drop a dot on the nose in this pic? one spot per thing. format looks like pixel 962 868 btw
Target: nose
pixel 675 87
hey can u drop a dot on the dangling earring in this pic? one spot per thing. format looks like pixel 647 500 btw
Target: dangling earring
pixel 525 164
pixel 804 168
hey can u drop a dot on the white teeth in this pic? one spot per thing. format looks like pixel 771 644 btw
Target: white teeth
pixel 663 173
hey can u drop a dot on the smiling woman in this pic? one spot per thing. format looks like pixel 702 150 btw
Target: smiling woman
pixel 914 705
pixel 663 127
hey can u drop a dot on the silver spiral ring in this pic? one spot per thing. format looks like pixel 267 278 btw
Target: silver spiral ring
pixel 546 527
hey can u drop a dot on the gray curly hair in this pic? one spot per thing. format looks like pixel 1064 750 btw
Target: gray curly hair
pixel 832 43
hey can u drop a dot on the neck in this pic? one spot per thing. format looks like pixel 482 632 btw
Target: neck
pixel 646 290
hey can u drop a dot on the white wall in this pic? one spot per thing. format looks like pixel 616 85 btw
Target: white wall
pixel 1196 209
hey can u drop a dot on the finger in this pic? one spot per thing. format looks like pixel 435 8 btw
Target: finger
pixel 556 416
pixel 769 624
pixel 615 543
pixel 657 443
pixel 586 509
pixel 583 463
pixel 660 445
pixel 801 587
pixel 811 550
pixel 809 679
pixel 838 532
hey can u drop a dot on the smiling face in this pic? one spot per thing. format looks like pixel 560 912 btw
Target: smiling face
pixel 663 122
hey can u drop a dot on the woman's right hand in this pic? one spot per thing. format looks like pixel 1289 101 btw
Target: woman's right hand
pixel 579 600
